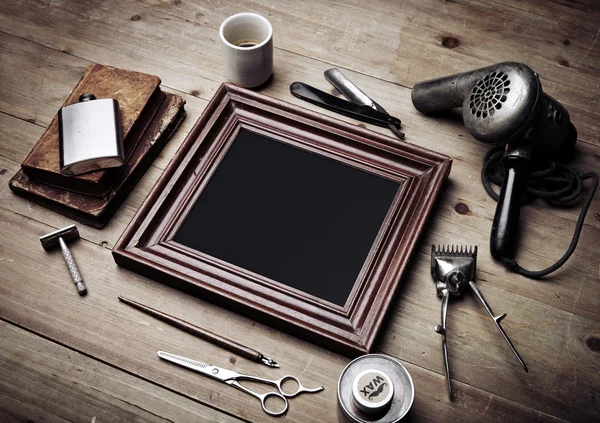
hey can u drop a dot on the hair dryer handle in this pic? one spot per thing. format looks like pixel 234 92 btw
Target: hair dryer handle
pixel 505 227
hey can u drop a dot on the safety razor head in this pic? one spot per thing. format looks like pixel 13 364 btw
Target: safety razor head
pixel 50 240
pixel 453 266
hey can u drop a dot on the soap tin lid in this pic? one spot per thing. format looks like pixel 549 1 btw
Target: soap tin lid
pixel 372 391
pixel 403 395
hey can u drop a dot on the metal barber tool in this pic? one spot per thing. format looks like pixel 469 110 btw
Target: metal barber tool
pixel 360 106
pixel 453 269
pixel 232 378
pixel 60 237
pixel 356 95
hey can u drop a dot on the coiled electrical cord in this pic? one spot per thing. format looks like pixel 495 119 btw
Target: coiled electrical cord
pixel 551 181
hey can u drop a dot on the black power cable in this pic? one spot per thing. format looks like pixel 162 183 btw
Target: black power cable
pixel 551 181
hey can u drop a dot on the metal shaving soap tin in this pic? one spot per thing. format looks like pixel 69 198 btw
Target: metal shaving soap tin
pixel 375 388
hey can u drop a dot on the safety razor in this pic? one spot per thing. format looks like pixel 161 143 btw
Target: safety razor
pixel 61 237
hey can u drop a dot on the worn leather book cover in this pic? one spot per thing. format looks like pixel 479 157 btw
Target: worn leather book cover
pixel 139 97
pixel 96 211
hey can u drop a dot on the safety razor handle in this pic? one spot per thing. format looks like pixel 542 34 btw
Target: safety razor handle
pixel 503 238
pixel 72 266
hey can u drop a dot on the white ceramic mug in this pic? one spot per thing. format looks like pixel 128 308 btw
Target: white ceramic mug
pixel 247 49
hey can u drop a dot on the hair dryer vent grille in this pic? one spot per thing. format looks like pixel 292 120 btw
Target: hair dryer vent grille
pixel 489 94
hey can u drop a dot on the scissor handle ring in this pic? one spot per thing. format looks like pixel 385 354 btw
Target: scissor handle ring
pixel 301 389
pixel 284 379
pixel 263 402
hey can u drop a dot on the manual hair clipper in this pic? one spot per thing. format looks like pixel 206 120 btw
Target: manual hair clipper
pixel 453 269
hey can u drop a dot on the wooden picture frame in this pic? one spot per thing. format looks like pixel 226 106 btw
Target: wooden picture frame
pixel 147 244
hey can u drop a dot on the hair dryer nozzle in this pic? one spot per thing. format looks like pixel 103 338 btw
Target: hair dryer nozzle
pixel 438 94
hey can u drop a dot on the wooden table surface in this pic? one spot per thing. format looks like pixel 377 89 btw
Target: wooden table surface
pixel 66 358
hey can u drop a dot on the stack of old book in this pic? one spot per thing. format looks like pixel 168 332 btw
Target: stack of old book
pixel 149 117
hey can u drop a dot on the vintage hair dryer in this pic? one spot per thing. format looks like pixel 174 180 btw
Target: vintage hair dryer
pixel 504 103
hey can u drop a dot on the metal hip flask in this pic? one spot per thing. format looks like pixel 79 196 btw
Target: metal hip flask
pixel 90 135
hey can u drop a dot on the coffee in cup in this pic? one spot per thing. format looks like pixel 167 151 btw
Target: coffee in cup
pixel 247 49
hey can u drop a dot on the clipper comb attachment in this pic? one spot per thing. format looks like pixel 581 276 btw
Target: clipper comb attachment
pixel 453 267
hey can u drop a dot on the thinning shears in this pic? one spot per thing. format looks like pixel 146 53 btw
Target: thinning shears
pixel 232 378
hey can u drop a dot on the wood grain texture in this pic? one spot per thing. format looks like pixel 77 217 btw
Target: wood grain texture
pixel 384 47
pixel 411 41
pixel 43 381
pixel 464 188
pixel 397 42
pixel 117 334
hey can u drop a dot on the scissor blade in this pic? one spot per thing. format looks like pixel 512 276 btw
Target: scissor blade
pixel 197 366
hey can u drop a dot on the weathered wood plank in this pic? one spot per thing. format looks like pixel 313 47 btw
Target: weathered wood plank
pixel 464 188
pixel 45 78
pixel 115 333
pixel 118 40
pixel 179 42
pixel 128 340
pixel 399 42
pixel 405 42
pixel 418 126
pixel 445 136
pixel 43 381
pixel 578 12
